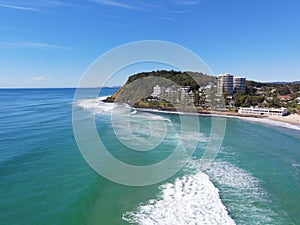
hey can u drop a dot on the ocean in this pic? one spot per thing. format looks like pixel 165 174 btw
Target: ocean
pixel 44 179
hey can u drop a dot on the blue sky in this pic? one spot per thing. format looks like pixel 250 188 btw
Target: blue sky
pixel 50 43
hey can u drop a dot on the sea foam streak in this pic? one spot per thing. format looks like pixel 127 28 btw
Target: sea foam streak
pixel 243 195
pixel 192 199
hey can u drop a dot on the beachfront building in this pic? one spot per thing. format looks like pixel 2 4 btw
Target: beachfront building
pixel 239 84
pixel 229 84
pixel 179 95
pixel 186 97
pixel 263 111
pixel 225 84
pixel 157 91
pixel 171 94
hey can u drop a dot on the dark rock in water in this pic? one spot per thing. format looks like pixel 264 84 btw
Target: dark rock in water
pixel 109 100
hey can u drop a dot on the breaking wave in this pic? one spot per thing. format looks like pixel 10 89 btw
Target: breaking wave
pixel 190 199
pixel 194 199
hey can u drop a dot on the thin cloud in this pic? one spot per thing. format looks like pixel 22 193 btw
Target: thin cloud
pixel 176 12
pixel 117 4
pixel 36 5
pixel 166 18
pixel 150 5
pixel 57 4
pixel 33 45
pixel 38 78
pixel 42 45
pixel 188 2
pixel 18 7
pixel 159 8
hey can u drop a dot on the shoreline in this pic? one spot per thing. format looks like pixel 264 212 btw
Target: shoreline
pixel 196 110
pixel 292 119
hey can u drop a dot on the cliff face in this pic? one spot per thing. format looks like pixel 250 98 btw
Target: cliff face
pixel 114 96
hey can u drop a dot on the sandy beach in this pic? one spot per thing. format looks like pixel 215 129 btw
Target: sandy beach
pixel 292 119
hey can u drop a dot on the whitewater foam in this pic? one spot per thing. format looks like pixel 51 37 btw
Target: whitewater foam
pixel 243 195
pixel 120 109
pixel 96 105
pixel 191 199
pixel 228 175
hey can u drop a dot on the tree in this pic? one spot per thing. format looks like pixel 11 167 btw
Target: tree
pixel 284 90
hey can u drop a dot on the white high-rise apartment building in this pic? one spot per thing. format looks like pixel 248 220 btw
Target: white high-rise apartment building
pixel 225 84
pixel 239 84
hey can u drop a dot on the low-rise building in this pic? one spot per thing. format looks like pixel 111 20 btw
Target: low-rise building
pixel 264 111
pixel 284 97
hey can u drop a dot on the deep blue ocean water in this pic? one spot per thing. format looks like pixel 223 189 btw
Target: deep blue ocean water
pixel 255 178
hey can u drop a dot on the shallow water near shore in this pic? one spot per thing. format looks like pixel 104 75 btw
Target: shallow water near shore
pixel 255 178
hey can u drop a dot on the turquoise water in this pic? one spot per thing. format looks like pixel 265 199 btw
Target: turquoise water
pixel 255 179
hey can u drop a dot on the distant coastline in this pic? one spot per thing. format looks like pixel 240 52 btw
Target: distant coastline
pixel 198 93
pixel 292 119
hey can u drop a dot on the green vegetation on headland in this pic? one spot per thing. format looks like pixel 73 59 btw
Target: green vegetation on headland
pixel 191 79
pixel 148 80
pixel 200 90
pixel 270 95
